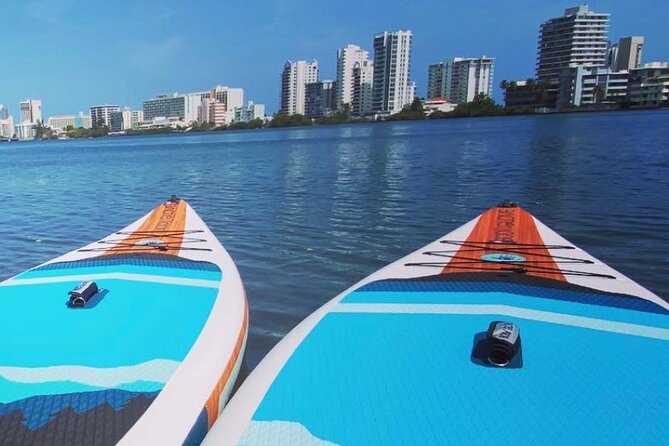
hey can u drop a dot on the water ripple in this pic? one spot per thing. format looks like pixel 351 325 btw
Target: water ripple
pixel 307 212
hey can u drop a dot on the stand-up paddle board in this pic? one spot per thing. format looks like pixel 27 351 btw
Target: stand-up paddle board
pixel 135 339
pixel 501 332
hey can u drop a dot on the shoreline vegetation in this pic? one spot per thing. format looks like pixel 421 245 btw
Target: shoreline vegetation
pixel 481 106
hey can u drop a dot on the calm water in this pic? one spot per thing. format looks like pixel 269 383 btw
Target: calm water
pixel 307 212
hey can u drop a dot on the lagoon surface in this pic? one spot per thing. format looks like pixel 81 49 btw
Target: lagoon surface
pixel 307 212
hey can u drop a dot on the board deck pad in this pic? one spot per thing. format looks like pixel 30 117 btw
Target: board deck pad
pixel 87 375
pixel 393 359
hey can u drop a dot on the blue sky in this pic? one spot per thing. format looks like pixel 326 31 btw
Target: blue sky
pixel 75 53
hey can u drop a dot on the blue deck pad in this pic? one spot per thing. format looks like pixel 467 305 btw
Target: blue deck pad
pixel 128 269
pixel 399 379
pixel 134 322
pixel 515 300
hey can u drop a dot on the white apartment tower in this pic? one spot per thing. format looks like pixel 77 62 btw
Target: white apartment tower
pixel 391 89
pixel 461 79
pixel 347 58
pixel 31 111
pixel 578 38
pixel 294 78
pixel 101 115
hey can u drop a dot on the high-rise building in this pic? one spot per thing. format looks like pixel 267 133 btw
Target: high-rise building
pixel 4 113
pixel 320 99
pixel 294 78
pixel 461 79
pixel 347 58
pixel 435 80
pixel 31 111
pixel 578 38
pixel 165 106
pixel 132 118
pixel 361 99
pixel 629 53
pixel 101 115
pixel 25 130
pixel 7 127
pixel 116 121
pixel 230 97
pixel 391 89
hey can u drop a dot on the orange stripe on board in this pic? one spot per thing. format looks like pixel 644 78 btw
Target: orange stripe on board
pixel 166 223
pixel 505 224
pixel 212 404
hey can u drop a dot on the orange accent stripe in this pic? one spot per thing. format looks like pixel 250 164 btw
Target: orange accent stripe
pixel 212 404
pixel 505 224
pixel 165 223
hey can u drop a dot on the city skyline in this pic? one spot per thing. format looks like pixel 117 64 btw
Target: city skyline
pixel 171 52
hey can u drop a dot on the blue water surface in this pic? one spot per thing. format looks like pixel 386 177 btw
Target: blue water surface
pixel 306 212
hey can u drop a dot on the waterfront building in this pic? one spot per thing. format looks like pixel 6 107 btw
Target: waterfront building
pixel 82 121
pixel 435 80
pixel 249 112
pixel 391 89
pixel 101 115
pixel 629 53
pixel 583 86
pixel 520 95
pixel 294 78
pixel 578 38
pixel 438 104
pixel 60 123
pixel 361 99
pixel 347 58
pixel 230 97
pixel 132 118
pixel 31 111
pixel 4 113
pixel 192 103
pixel 461 79
pixel 116 121
pixel 217 113
pixel 25 130
pixel 165 106
pixel 7 127
pixel 649 84
pixel 320 99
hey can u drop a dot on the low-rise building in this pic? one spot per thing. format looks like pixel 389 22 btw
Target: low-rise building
pixel 59 124
pixel 438 104
pixel 520 95
pixel 25 130
pixel 649 84
pixel 249 112
pixel 586 86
